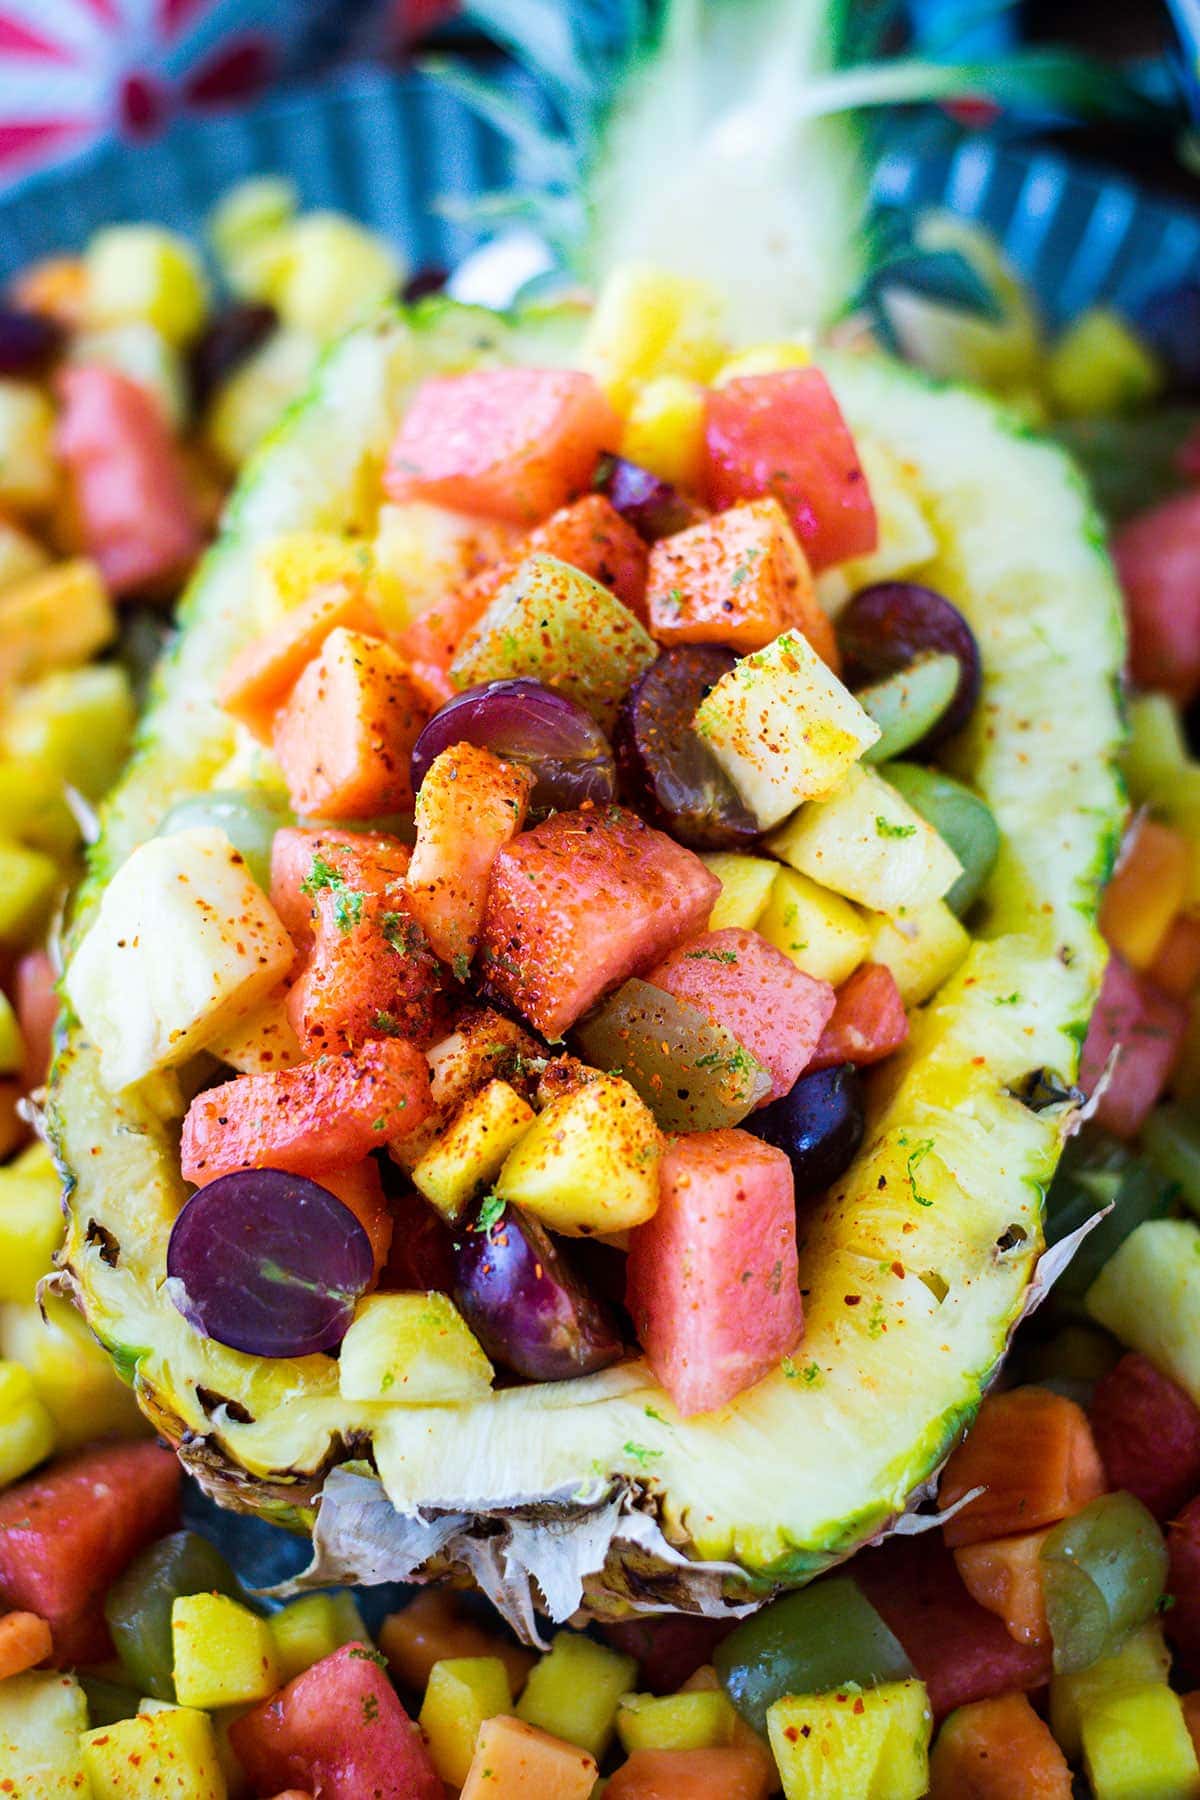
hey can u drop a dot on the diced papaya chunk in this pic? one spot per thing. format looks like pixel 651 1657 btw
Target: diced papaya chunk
pixel 1033 1454
pixel 519 1762
pixel 507 443
pixel 580 903
pixel 998 1750
pixel 470 805
pixel 344 738
pixel 1176 966
pixel 1005 1576
pixel 712 1282
pixel 1147 890
pixel 316 1116
pixel 305 862
pixel 1147 1430
pixel 1146 1028
pixel 260 677
pixel 868 1020
pixel 729 1773
pixel 432 1627
pixel 25 1641
pixel 772 1008
pixel 739 578
pixel 359 1186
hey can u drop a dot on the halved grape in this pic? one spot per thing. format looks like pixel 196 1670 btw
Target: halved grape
pixel 525 1304
pixel 526 722
pixel 248 820
pixel 269 1263
pixel 965 821
pixel 819 1126
pixel 28 342
pixel 666 770
pixel 229 339
pixel 907 705
pixel 653 507
pixel 888 626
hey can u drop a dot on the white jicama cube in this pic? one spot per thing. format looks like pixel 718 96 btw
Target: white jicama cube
pixel 184 943
pixel 783 727
pixel 868 843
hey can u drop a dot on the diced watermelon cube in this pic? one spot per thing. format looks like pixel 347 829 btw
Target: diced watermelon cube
pixel 507 443
pixel 1147 1029
pixel 1158 560
pixel 1147 1431
pixel 868 1020
pixel 582 902
pixel 340 1731
pixel 66 1534
pixel 739 980
pixel 784 434
pixel 1182 1620
pixel 297 855
pixel 961 1651
pixel 713 1278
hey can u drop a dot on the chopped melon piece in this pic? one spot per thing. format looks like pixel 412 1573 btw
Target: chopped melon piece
pixel 468 1155
pixel 41 1717
pixel 169 1752
pixel 868 843
pixel 1142 1660
pixel 31 1222
pixel 906 540
pixel 922 947
pixel 852 1744
pixel 462 1692
pixel 783 727
pixel 664 429
pixel 1136 1746
pixel 822 933
pixel 28 472
pixel 223 1653
pixel 54 618
pixel 29 880
pixel 307 1630
pixel 260 1041
pixel 184 942
pixel 512 1758
pixel 26 1428
pixel 589 1163
pixel 647 323
pixel 140 351
pixel 72 1374
pixel 574 1691
pixel 145 272
pixel 414 1350
pixel 701 1720
pixel 746 883
pixel 1148 1295
pixel 77 722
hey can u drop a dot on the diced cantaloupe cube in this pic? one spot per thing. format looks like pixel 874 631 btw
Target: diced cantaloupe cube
pixel 574 1691
pixel 344 738
pixel 412 1350
pixel 739 578
pixel 853 1744
pixel 26 1428
pixel 1142 1660
pixel 664 429
pixel 921 947
pixel 461 1694
pixel 746 883
pixel 866 842
pixel 648 323
pixel 516 1761
pixel 224 1653
pixel 822 933
pixel 31 1222
pixel 468 1155
pixel 589 1162
pixel 701 1720
pixel 260 678
pixel 1136 1746
pixel 170 1752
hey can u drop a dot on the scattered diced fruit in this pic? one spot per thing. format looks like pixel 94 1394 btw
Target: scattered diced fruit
pixel 138 1605
pixel 664 429
pixel 421 553
pixel 1157 556
pixel 433 1626
pixel 345 735
pixel 867 843
pixel 1142 1660
pixel 412 1350
pixel 41 1718
pixel 512 1757
pixel 139 351
pixel 1176 966
pixel 783 727
pixel 1148 1295
pixel 574 1690
pixel 1005 1575
pixel 73 1375
pixel 921 947
pixel 172 1753
pixel 461 1693
pixel 28 476
pixel 647 323
pixel 183 943
pixel 1147 1431
pixel 468 1155
pixel 582 901
pixel 853 1744
pixel 1032 1453
pixel 25 1641
pixel 31 1224
pixel 868 1020
pixel 260 678
pixel 75 723
pixel 1100 366
pixel 33 807
pixel 821 933
pixel 509 443
pixel 1146 892
pixel 1137 1744
pixel 29 880
pixel 261 1041
pixel 589 1163
pixel 307 1630
pixel 26 1428
pixel 701 1720
pixel 329 272
pixel 224 1653
pixel 591 535
pixel 145 272
pixel 1146 1029
pixel 470 805
pixel 745 888
pixel 1183 1619
pixel 724 1773
pixel 54 618
pixel 716 1298
pixel 906 541
pixel 997 1750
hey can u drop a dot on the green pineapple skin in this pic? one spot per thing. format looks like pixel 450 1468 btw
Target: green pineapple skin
pixel 919 1231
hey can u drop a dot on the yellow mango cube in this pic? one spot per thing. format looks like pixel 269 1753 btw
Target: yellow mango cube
pixel 421 551
pixel 467 1156
pixel 28 470
pixel 746 883
pixel 31 1222
pixel 512 1758
pixel 822 933
pixel 412 1350
pixel 41 1717
pixel 1142 1660
pixel 20 554
pixel 647 323
pixel 72 1375
pixel 289 567
pixel 664 429
pixel 1136 1746
pixel 462 1692
pixel 574 1691
pixel 29 881
pixel 223 1652
pixel 922 947
pixel 56 618
pixel 701 1720
pixel 26 1428
pixel 307 1630
pixel 331 272
pixel 865 841
pixel 169 1752
pixel 34 810
pixel 764 359
pixel 589 1163
pixel 12 1047
pixel 77 722
pixel 852 1744
pixel 146 272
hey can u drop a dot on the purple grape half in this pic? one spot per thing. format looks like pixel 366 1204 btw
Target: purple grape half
pixel 28 342
pixel 526 722
pixel 652 506
pixel 818 1125
pixel 665 769
pixel 228 340
pixel 269 1263
pixel 888 626
pixel 526 1306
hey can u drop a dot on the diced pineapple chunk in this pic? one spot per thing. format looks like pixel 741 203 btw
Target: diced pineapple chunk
pixel 852 1744
pixel 746 883
pixel 821 932
pixel 145 272
pixel 412 1350
pixel 262 1041
pixel 223 1653
pixel 251 214
pixel 54 619
pixel 12 1047
pixel 783 727
pixel 664 429
pixel 701 1720
pixel 169 1752
pixel 1148 1295
pixel 1156 750
pixel 1100 366
pixel 1136 1746
pixel 41 1717
pixel 29 880
pixel 467 1157
pixel 764 359
pixel 922 947
pixel 589 1164
pixel 31 1222
pixel 290 566
pixel 906 539
pixel 20 554
pixel 574 1690
pixel 647 323
pixel 1142 1660
pixel 72 1375
pixel 184 942
pixel 77 722
pixel 332 271
pixel 247 405
pixel 28 473
pixel 26 1428
pixel 461 1693
pixel 34 810
pixel 307 1630
pixel 868 843
pixel 421 551
pixel 140 351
